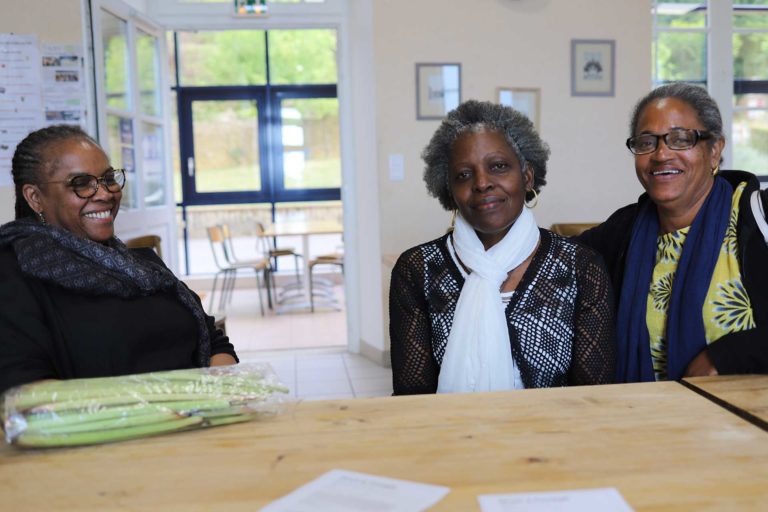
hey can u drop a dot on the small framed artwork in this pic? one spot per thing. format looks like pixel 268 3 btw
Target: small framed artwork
pixel 525 101
pixel 438 89
pixel 593 67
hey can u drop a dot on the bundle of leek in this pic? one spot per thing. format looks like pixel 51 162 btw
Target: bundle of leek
pixel 100 410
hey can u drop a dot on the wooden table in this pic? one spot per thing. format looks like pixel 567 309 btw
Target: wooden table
pixel 304 229
pixel 662 445
pixel 746 395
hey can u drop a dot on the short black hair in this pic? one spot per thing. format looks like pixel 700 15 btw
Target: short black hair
pixel 30 159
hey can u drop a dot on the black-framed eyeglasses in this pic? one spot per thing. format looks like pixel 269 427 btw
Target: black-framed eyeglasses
pixel 86 185
pixel 677 139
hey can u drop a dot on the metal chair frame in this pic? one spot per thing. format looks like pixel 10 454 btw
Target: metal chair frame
pixel 223 256
pixel 273 253
pixel 326 259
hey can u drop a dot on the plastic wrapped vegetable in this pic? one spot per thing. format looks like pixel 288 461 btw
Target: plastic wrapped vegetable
pixel 91 411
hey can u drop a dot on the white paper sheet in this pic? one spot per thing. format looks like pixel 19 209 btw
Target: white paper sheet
pixel 582 500
pixel 350 491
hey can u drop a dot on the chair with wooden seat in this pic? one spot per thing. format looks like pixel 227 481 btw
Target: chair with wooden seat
pixel 571 229
pixel 233 259
pixel 146 241
pixel 229 265
pixel 335 259
pixel 272 252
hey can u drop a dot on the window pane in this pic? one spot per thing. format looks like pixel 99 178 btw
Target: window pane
pixel 302 56
pixel 750 56
pixel 750 13
pixel 226 141
pixel 681 57
pixel 121 156
pixel 750 134
pixel 310 139
pixel 153 157
pixel 116 73
pixel 681 13
pixel 147 56
pixel 234 57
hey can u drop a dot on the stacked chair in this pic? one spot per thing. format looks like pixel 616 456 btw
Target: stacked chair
pixel 272 253
pixel 228 264
pixel 320 287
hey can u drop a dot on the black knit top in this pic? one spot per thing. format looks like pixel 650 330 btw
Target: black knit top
pixel 560 317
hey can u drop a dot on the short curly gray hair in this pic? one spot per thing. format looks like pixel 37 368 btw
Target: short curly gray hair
pixel 473 116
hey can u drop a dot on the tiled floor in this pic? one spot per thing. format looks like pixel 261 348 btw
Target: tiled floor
pixel 306 350
pixel 250 331
pixel 326 373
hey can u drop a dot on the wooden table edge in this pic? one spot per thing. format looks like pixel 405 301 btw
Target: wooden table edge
pixel 738 411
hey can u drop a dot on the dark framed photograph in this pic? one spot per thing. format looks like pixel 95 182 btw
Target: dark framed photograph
pixel 438 89
pixel 593 67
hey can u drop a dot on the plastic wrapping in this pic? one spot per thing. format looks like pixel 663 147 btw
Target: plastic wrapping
pixel 77 412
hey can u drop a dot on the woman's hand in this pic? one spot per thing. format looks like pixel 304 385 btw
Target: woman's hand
pixel 701 366
pixel 222 360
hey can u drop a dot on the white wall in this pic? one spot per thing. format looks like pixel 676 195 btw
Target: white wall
pixel 506 43
pixel 509 43
pixel 52 22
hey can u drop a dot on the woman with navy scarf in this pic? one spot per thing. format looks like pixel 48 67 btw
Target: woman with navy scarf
pixel 689 260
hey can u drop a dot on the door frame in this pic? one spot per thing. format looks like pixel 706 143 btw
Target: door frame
pixel 158 220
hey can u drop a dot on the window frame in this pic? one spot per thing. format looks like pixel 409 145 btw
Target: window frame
pixel 721 82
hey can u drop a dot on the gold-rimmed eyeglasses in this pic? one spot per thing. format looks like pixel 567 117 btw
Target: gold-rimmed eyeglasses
pixel 86 185
pixel 676 139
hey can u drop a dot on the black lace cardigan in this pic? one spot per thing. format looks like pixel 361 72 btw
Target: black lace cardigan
pixel 560 317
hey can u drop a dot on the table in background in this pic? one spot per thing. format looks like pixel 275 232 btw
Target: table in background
pixel 304 229
pixel 663 446
pixel 745 393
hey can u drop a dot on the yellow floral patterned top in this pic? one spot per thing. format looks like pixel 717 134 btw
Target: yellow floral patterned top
pixel 726 308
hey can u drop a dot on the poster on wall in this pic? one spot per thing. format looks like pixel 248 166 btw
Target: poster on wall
pixel 20 95
pixel 63 87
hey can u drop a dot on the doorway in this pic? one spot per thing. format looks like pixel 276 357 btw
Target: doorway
pixel 258 142
pixel 261 143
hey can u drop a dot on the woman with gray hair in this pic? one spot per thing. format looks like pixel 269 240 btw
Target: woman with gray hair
pixel 688 260
pixel 497 303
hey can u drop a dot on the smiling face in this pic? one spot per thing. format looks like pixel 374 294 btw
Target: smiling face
pixel 91 218
pixel 487 184
pixel 677 181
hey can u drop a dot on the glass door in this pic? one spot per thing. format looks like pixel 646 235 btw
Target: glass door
pixel 131 118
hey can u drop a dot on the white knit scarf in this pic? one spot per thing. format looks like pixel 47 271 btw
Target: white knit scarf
pixel 478 356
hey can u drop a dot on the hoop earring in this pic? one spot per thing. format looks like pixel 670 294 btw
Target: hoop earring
pixel 42 218
pixel 531 205
pixel 453 218
pixel 716 170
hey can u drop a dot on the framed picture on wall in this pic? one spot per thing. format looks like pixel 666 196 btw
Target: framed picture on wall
pixel 522 100
pixel 593 67
pixel 438 89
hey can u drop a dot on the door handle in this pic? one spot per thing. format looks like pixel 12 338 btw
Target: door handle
pixel 191 166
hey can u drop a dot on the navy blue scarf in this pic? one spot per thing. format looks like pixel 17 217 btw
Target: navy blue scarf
pixel 57 256
pixel 685 323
